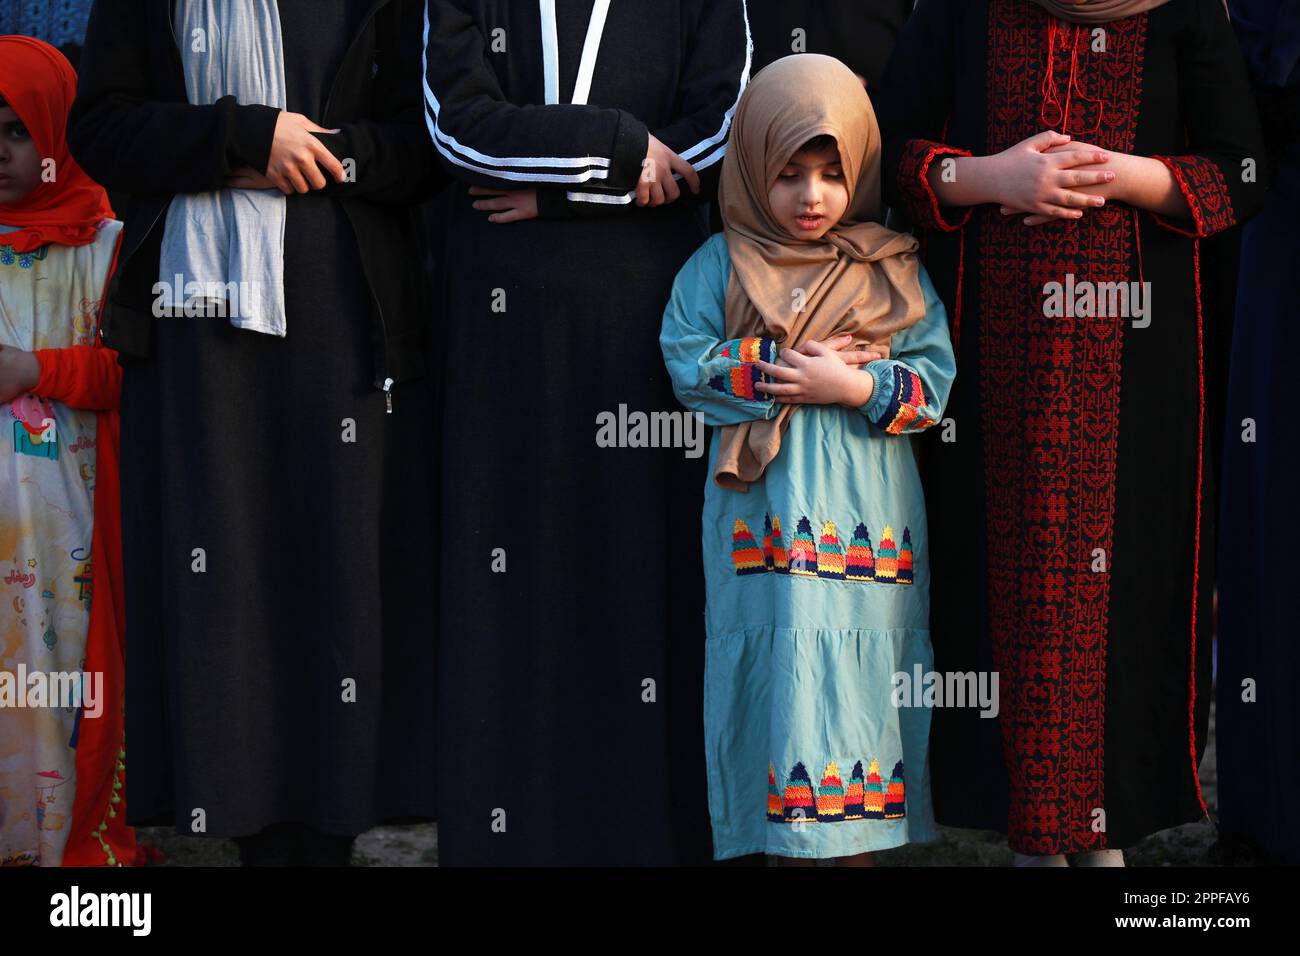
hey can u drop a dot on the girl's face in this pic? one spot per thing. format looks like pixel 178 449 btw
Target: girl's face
pixel 810 194
pixel 20 164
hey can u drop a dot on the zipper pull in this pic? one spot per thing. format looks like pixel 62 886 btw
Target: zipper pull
pixel 388 396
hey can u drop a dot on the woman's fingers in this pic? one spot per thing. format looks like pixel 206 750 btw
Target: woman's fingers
pixel 311 173
pixel 657 192
pixel 1046 140
pixel 493 204
pixel 687 171
pixel 484 191
pixel 1069 158
pixel 643 185
pixel 512 214
pixel 323 157
pixel 291 181
pixel 670 189
pixel 1073 200
pixel 1085 177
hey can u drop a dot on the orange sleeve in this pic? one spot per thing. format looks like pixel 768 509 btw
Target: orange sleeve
pixel 81 376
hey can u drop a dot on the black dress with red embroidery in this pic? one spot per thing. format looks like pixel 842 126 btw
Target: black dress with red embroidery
pixel 1071 513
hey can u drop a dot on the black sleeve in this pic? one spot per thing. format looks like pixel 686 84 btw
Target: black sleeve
pixel 394 159
pixel 1222 173
pixel 862 35
pixel 483 139
pixel 127 138
pixel 914 103
pixel 1268 32
pixel 716 73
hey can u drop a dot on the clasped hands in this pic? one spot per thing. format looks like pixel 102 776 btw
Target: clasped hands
pixel 295 162
pixel 820 373
pixel 1052 176
pixel 656 187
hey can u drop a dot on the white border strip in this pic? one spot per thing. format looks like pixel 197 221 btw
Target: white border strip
pixel 590 50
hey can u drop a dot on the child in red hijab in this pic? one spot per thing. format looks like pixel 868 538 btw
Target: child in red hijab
pixel 62 758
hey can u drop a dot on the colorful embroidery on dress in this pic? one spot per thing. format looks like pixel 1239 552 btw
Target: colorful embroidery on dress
pixel 745 553
pixel 798 802
pixel 905 411
pixel 780 557
pixel 861 560
pixel 887 557
pixel 825 556
pixel 873 798
pixel 895 801
pixel 830 556
pixel 867 796
pixel 774 810
pixel 905 558
pixel 740 380
pixel 830 795
pixel 803 552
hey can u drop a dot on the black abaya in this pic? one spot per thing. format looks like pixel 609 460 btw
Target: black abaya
pixel 316 547
pixel 570 661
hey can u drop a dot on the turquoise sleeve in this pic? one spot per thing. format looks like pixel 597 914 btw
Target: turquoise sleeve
pixel 912 385
pixel 712 375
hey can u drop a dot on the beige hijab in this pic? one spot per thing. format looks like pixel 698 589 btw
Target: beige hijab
pixel 862 278
pixel 1097 11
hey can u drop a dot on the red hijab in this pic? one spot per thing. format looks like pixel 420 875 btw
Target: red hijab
pixel 39 84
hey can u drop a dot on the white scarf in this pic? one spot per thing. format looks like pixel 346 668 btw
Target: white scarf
pixel 229 245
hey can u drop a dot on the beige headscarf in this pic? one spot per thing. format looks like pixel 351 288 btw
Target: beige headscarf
pixel 1098 11
pixel 861 278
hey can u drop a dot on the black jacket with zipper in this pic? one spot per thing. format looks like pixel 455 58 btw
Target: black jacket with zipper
pixel 133 129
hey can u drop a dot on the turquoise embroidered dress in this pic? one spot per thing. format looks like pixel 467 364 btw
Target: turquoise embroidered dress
pixel 818 591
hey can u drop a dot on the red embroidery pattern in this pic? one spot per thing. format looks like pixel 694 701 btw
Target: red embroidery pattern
pixel 914 184
pixel 1206 191
pixel 1050 416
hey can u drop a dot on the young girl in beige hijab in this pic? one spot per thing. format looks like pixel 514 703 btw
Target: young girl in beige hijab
pixel 815 542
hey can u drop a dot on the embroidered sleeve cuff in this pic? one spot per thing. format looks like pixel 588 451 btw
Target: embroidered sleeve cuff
pixel 898 401
pixel 914 185
pixel 1202 184
pixel 738 381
